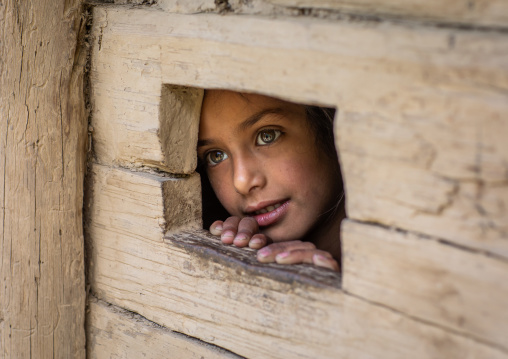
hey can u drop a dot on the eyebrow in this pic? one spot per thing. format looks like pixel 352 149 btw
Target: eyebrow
pixel 249 122
pixel 252 120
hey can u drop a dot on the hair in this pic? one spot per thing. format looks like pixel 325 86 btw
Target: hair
pixel 320 120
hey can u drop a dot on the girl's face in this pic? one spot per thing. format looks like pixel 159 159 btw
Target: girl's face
pixel 262 161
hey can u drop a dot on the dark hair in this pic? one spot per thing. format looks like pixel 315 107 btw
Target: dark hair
pixel 321 122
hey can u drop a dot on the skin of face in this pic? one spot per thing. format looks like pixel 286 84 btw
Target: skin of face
pixel 261 153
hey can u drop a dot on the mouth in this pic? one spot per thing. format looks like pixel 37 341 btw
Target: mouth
pixel 268 209
pixel 271 213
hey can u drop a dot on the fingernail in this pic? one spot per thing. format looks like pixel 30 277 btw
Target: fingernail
pixel 256 241
pixel 321 257
pixel 264 252
pixel 241 237
pixel 218 227
pixel 282 255
pixel 227 234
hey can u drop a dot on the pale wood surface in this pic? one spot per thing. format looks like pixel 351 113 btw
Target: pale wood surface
pixel 42 152
pixel 187 6
pixel 116 333
pixel 424 278
pixel 194 285
pixel 133 115
pixel 143 204
pixel 478 12
pixel 437 93
pixel 268 318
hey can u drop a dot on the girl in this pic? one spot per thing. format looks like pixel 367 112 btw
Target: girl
pixel 273 166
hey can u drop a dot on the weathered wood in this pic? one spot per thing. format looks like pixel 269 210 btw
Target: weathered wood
pixel 424 278
pixel 268 318
pixel 478 12
pixel 134 115
pixel 436 93
pixel 42 154
pixel 179 113
pixel 116 333
pixel 187 6
pixel 141 204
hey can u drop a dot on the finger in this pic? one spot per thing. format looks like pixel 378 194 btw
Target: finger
pixel 229 229
pixel 268 253
pixel 258 241
pixel 324 261
pixel 247 227
pixel 216 228
pixel 296 256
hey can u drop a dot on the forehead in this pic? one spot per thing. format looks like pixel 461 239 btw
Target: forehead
pixel 222 107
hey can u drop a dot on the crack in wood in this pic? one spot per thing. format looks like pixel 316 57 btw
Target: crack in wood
pixel 433 238
pixel 430 323
pixel 94 298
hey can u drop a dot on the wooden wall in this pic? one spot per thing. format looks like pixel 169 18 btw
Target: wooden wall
pixel 42 163
pixel 420 89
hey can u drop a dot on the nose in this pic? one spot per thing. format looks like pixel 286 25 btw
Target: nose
pixel 248 174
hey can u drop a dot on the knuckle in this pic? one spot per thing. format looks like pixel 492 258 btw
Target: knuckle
pixel 309 245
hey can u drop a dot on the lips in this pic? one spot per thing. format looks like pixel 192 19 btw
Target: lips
pixel 268 209
pixel 271 213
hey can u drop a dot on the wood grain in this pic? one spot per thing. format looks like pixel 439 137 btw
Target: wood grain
pixel 116 333
pixel 143 205
pixel 424 278
pixel 42 161
pixel 421 110
pixel 456 12
pixel 195 292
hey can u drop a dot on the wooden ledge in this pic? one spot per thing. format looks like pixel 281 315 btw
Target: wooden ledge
pixel 201 244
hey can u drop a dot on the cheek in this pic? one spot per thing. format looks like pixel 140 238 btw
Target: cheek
pixel 296 172
pixel 313 180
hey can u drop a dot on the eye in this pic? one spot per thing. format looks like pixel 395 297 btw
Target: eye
pixel 265 137
pixel 215 157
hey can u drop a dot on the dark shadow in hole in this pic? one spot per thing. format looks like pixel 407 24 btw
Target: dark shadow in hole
pixel 212 208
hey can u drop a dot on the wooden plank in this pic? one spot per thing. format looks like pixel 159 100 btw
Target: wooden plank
pixel 116 333
pixel 187 6
pixel 141 204
pixel 191 286
pixel 139 122
pixel 42 162
pixel 448 182
pixel 478 13
pixel 462 290
pixel 438 92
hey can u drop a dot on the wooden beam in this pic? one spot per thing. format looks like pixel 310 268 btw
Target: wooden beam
pixel 190 286
pixel 455 12
pixel 42 163
pixel 143 205
pixel 113 332
pixel 461 290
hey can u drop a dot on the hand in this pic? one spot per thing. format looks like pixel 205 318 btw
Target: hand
pixel 294 252
pixel 241 232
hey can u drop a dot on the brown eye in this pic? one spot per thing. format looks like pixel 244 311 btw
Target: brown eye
pixel 215 157
pixel 265 137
